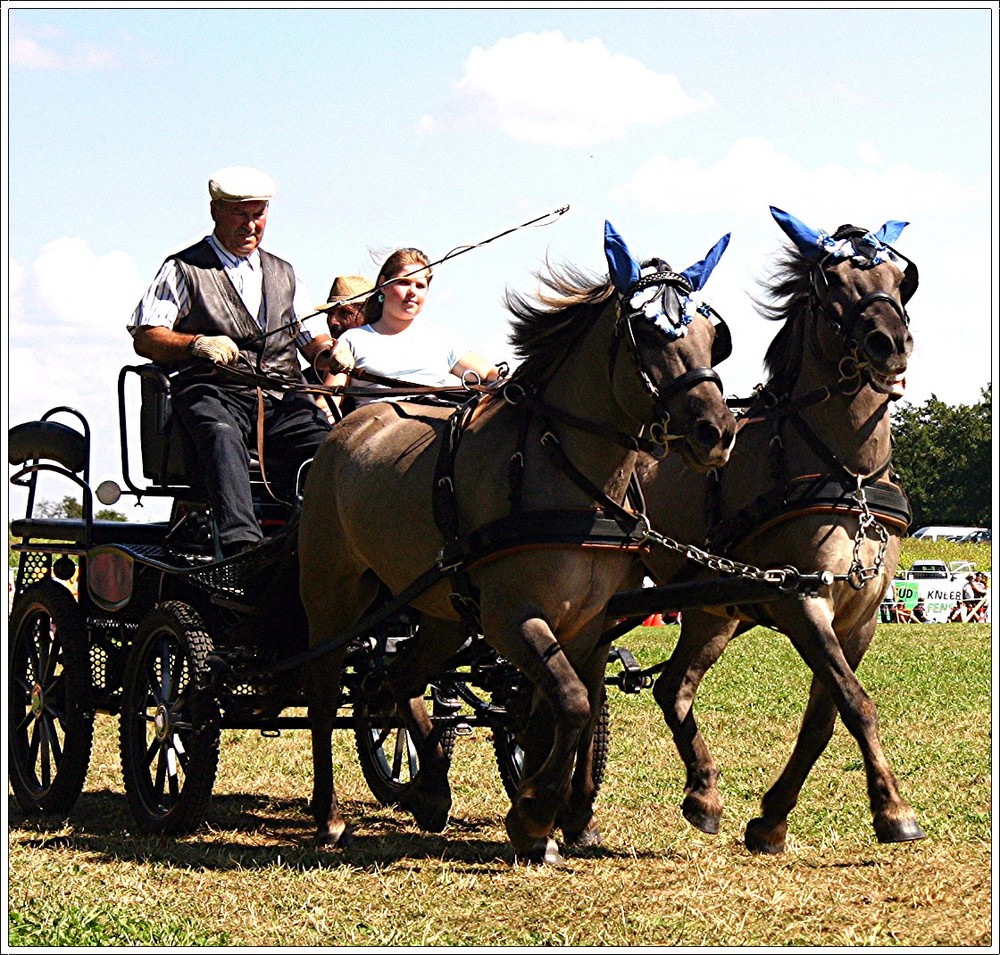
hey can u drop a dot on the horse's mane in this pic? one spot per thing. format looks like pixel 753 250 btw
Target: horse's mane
pixel 546 325
pixel 785 299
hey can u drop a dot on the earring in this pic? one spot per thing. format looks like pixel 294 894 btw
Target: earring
pixel 380 298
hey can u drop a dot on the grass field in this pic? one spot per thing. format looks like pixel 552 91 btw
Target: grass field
pixel 252 878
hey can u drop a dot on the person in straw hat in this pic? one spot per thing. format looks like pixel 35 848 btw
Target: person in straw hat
pixel 348 296
pixel 225 302
pixel 349 293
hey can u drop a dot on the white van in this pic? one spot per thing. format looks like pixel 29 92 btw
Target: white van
pixel 946 533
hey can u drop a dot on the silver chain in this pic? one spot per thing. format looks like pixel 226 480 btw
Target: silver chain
pixel 859 575
pixel 782 576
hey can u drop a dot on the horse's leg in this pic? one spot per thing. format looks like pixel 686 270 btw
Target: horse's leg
pixel 328 618
pixel 578 822
pixel 835 688
pixel 702 640
pixel 323 694
pixel 429 796
pixel 561 701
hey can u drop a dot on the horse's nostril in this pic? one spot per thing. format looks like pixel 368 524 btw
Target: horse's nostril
pixel 708 435
pixel 878 346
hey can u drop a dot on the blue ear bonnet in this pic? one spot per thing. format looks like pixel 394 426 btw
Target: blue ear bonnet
pixel 871 248
pixel 653 300
pixel 622 266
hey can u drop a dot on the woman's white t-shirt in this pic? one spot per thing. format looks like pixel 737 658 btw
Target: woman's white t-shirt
pixel 422 355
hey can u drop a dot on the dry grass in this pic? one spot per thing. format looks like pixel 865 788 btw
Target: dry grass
pixel 252 878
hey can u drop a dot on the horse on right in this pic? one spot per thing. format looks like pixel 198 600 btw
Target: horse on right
pixel 810 484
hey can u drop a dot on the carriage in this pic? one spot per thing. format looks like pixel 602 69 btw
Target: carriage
pixel 181 643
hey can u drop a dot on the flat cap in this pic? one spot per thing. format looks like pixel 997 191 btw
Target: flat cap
pixel 241 184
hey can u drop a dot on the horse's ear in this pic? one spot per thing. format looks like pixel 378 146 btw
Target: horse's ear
pixel 890 231
pixel 622 267
pixel 807 240
pixel 698 273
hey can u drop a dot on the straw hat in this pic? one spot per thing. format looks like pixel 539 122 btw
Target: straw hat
pixel 353 288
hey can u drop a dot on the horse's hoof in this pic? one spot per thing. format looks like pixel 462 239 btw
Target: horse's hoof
pixel 429 815
pixel 706 820
pixel 543 852
pixel 765 840
pixel 429 811
pixel 341 837
pixel 589 838
pixel 902 829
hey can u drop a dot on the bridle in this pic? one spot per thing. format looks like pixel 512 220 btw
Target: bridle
pixel 866 257
pixel 660 310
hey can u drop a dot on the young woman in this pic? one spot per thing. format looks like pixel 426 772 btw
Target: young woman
pixel 393 345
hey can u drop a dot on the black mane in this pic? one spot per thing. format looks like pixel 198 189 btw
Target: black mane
pixel 786 300
pixel 545 326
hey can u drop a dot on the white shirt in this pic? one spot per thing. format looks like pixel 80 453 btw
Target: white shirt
pixel 422 355
pixel 168 300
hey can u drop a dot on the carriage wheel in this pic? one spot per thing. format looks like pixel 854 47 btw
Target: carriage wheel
pixel 169 723
pixel 510 756
pixel 50 722
pixel 387 753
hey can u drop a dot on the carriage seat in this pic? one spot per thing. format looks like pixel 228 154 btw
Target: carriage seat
pixel 46 445
pixel 162 442
pixel 168 457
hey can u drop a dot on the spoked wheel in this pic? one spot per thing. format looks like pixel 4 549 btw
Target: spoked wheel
pixel 387 752
pixel 169 722
pixel 50 723
pixel 510 755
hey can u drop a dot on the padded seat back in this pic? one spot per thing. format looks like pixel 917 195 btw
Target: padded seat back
pixel 162 440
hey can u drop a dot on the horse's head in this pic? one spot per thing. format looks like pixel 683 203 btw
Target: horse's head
pixel 675 340
pixel 859 285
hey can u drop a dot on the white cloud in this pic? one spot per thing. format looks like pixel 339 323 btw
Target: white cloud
pixel 75 288
pixel 545 88
pixel 53 49
pixel 754 174
pixel 67 339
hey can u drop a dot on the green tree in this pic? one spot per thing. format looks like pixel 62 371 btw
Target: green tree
pixel 70 508
pixel 943 453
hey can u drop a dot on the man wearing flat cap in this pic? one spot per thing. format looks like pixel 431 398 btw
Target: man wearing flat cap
pixel 225 302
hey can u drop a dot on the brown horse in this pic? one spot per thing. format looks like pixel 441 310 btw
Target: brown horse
pixel 603 362
pixel 809 484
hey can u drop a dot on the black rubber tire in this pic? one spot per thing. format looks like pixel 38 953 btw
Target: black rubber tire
pixel 50 720
pixel 510 756
pixel 388 758
pixel 169 731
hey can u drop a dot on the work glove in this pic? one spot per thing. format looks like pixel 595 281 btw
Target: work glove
pixel 218 348
pixel 342 359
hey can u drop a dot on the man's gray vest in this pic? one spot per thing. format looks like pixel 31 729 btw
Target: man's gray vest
pixel 217 309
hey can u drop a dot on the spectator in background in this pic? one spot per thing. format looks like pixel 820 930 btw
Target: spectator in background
pixel 350 293
pixel 919 612
pixel 980 587
pixel 957 613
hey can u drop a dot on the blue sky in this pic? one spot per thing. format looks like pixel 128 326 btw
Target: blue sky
pixel 440 128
